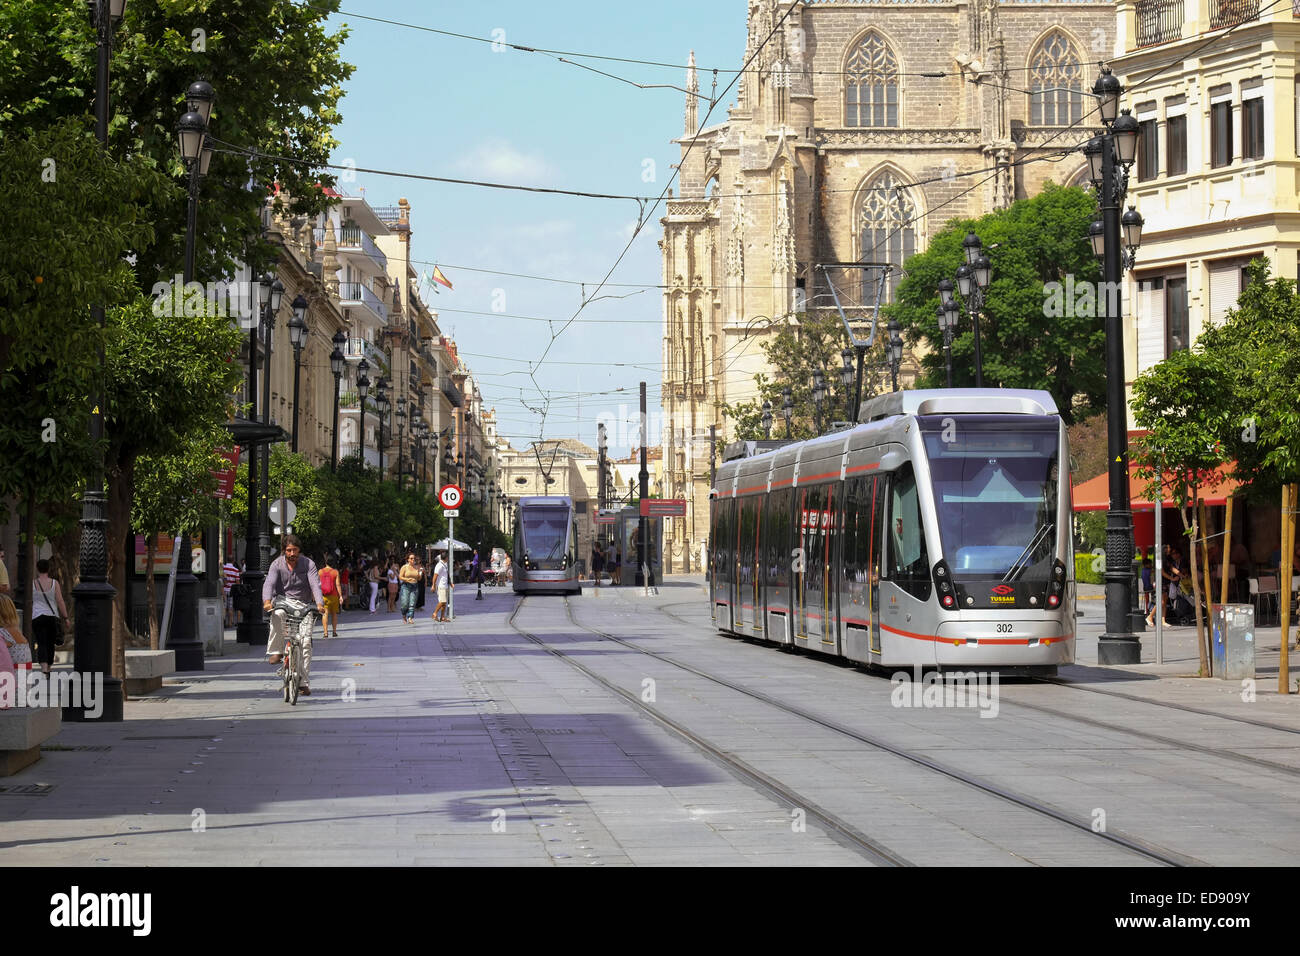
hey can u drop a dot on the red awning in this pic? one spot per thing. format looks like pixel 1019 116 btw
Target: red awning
pixel 1094 494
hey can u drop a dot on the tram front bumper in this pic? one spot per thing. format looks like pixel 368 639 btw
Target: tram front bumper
pixel 1002 642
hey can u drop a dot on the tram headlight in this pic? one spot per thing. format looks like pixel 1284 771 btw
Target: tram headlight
pixel 943 585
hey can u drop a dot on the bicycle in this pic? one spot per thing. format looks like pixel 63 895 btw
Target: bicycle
pixel 298 616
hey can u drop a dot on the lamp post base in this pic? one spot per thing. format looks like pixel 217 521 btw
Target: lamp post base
pixel 1119 649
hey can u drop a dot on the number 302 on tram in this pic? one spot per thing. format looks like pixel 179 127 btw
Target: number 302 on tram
pixel 934 533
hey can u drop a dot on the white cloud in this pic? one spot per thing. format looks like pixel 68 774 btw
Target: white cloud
pixel 497 159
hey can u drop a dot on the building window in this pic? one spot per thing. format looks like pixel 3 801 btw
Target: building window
pixel 1148 158
pixel 887 235
pixel 1176 145
pixel 1055 83
pixel 871 84
pixel 1220 134
pixel 1175 314
pixel 1252 128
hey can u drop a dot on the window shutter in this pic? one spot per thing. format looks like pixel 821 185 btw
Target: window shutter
pixel 1225 286
pixel 1151 323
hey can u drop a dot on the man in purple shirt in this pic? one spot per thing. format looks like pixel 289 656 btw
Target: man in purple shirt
pixel 295 576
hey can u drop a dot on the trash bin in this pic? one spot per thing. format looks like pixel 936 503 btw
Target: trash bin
pixel 1233 642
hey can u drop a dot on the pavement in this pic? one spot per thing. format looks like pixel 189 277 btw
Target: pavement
pixel 470 744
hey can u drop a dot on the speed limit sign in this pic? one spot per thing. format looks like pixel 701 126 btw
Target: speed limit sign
pixel 450 496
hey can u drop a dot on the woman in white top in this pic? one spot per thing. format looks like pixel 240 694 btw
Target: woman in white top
pixel 48 611
pixel 392 586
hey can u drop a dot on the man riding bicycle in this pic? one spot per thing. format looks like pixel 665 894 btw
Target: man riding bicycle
pixel 294 576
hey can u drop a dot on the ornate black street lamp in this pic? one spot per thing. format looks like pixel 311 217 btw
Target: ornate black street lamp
pixel 337 363
pixel 787 408
pixel 767 419
pixel 381 403
pixel 973 277
pixel 363 389
pixel 1116 238
pixel 93 651
pixel 947 324
pixel 401 443
pixel 298 332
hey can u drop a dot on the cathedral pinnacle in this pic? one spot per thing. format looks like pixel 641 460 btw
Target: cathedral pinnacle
pixel 692 96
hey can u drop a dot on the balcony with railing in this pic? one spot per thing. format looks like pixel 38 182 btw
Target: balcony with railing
pixel 454 394
pixel 1159 21
pixel 1228 13
pixel 358 349
pixel 353 239
pixel 357 294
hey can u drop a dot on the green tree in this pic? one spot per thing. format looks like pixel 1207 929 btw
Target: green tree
pixel 794 353
pixel 175 492
pixel 278 76
pixel 169 379
pixel 1032 333
pixel 73 216
pixel 1185 427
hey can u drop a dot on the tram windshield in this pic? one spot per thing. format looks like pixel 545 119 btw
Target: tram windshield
pixel 546 533
pixel 995 490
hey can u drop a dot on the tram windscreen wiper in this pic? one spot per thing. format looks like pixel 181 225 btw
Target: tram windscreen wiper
pixel 1021 563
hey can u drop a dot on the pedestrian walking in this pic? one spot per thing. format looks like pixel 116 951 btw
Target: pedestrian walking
pixel 409 577
pixel 475 571
pixel 372 576
pixel 345 579
pixel 442 585
pixel 49 615
pixel 391 577
pixel 229 578
pixel 597 563
pixel 330 584
pixel 424 574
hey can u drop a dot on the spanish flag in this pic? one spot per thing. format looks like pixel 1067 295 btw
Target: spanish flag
pixel 439 277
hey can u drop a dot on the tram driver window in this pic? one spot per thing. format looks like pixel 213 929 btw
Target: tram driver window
pixel 909 565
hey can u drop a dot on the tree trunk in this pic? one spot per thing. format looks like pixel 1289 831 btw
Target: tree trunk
pixel 29 572
pixel 150 590
pixel 1204 670
pixel 119 476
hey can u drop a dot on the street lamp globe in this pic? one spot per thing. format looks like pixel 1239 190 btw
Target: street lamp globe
pixel 953 311
pixel 1107 89
pixel 964 280
pixel 1132 222
pixel 819 386
pixel 767 419
pixel 264 290
pixel 1126 138
pixel 1094 150
pixel 116 9
pixel 971 245
pixel 199 98
pixel 983 271
pixel 945 291
pixel 1097 235
pixel 190 129
pixel 277 295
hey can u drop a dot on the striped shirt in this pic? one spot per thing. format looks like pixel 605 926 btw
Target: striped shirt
pixel 229 576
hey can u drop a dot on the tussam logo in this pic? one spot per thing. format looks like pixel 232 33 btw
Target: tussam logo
pixel 77 909
pixel 1003 589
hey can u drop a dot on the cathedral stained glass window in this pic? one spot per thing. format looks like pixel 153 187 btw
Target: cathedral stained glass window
pixel 871 84
pixel 1055 74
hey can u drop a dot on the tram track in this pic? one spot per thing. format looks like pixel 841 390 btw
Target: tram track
pixel 1120 728
pixel 1132 844
pixel 868 847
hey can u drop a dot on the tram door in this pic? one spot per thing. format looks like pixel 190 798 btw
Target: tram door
pixel 906 585
pixel 746 576
pixel 814 604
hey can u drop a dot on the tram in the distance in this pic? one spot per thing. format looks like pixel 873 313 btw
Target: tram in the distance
pixel 546 546
pixel 934 533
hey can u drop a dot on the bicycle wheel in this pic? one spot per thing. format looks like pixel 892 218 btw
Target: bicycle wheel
pixel 293 675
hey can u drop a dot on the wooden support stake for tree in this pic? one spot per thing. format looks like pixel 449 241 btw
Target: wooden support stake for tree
pixel 1284 585
pixel 1227 551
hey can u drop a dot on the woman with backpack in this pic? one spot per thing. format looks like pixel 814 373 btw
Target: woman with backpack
pixel 329 589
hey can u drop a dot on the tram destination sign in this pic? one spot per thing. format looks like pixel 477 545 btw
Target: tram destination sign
pixel 606 516
pixel 663 507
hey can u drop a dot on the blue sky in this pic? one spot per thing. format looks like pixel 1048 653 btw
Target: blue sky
pixel 424 103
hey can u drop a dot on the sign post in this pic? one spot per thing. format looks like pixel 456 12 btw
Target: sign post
pixel 450 497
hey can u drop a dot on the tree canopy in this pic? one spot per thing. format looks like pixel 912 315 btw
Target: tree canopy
pixel 1032 334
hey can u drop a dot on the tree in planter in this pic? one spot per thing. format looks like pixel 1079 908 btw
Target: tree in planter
pixel 170 378
pixel 1259 348
pixel 1039 327
pixel 1174 402
pixel 173 492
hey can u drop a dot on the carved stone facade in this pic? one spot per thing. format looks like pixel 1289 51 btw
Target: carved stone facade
pixel 858 131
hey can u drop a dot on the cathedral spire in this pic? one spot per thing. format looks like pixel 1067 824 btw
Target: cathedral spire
pixel 692 97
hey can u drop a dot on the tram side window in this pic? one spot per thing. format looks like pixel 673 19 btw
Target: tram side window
pixel 909 566
pixel 814 542
pixel 724 539
pixel 775 532
pixel 748 529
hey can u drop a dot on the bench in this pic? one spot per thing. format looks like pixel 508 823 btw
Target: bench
pixel 146 669
pixel 22 731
